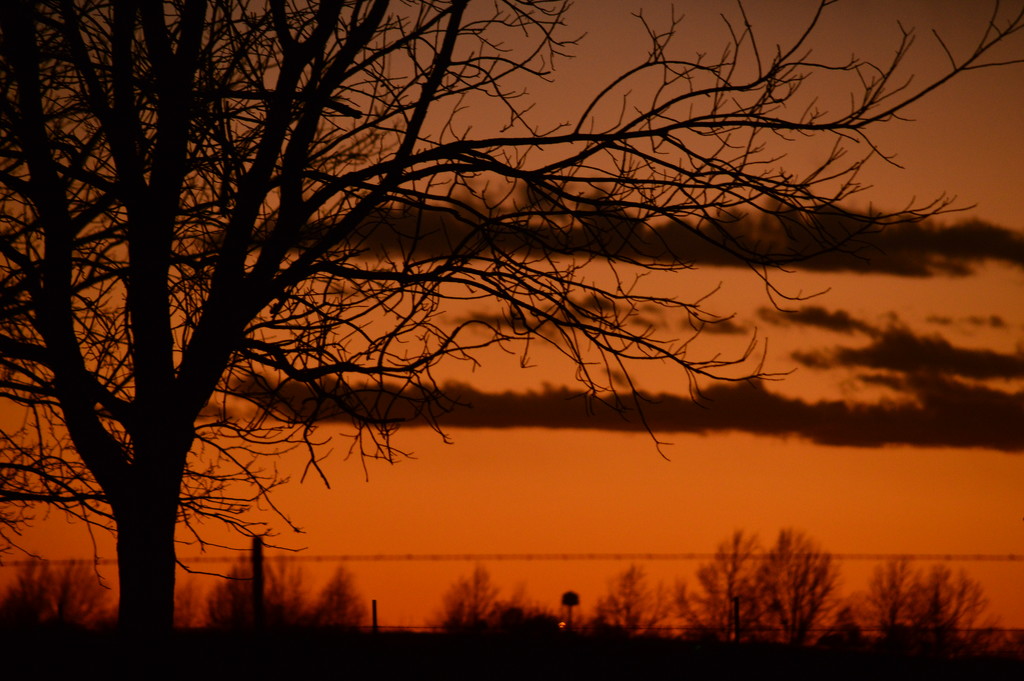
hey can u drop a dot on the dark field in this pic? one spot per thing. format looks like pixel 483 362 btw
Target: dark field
pixel 317 655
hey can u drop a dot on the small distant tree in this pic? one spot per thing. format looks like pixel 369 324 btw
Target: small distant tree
pixel 339 604
pixel 632 605
pixel 518 614
pixel 470 603
pixel 229 602
pixel 286 598
pixel 796 582
pixel 845 631
pixel 727 581
pixel 935 612
pixel 188 604
pixel 69 594
pixel 950 613
pixel 889 603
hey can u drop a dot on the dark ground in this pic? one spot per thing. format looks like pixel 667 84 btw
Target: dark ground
pixel 297 655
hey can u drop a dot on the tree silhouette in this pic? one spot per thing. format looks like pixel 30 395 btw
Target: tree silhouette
pixel 889 603
pixel 287 599
pixel 229 602
pixel 796 583
pixel 470 604
pixel 632 605
pixel 933 612
pixel 783 593
pixel 339 604
pixel 189 604
pixel 728 586
pixel 65 594
pixel 225 220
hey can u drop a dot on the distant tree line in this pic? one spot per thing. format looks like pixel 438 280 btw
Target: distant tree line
pixel 72 595
pixel 66 595
pixel 787 593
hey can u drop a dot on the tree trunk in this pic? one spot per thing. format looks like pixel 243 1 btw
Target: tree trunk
pixel 146 562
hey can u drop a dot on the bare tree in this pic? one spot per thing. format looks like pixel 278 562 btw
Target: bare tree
pixel 783 593
pixel 933 612
pixel 796 582
pixel 950 612
pixel 632 605
pixel 889 604
pixel 224 220
pixel 288 600
pixel 229 602
pixel 339 604
pixel 189 605
pixel 66 594
pixel 727 588
pixel 519 615
pixel 470 604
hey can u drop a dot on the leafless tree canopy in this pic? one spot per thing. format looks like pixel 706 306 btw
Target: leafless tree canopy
pixel 288 599
pixel 474 604
pixel 224 219
pixel 725 583
pixel 66 594
pixel 934 611
pixel 632 604
pixel 785 593
pixel 797 581
pixel 470 603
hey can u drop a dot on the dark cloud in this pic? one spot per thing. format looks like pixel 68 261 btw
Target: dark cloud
pixel 815 359
pixel 839 320
pixel 953 250
pixel 990 321
pixel 725 326
pixel 916 249
pixel 940 403
pixel 898 349
pixel 994 321
pixel 912 249
pixel 943 413
pixel 934 407
pixel 924 249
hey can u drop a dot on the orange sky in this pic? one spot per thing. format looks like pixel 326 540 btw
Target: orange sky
pixel 588 490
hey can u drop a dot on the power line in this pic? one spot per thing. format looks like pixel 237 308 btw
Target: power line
pixel 554 557
pixel 526 557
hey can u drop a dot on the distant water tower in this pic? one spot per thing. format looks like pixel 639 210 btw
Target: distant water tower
pixel 570 599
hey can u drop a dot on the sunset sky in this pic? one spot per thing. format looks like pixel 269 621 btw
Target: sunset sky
pixel 896 424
